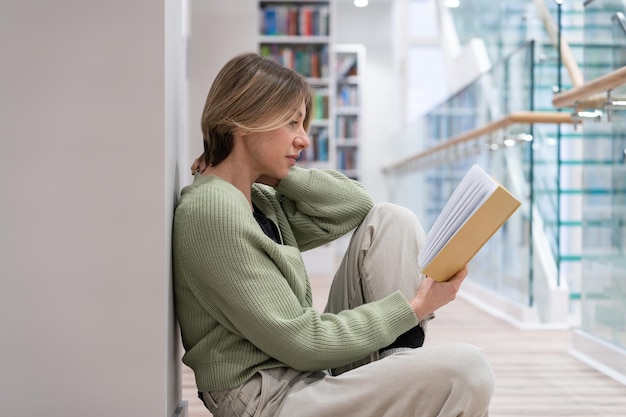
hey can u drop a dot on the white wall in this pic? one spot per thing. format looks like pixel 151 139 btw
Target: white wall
pixel 90 124
pixel 219 30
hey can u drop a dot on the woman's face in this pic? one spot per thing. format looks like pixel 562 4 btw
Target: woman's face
pixel 272 153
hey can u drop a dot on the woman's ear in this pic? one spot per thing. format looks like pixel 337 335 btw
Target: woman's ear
pixel 240 132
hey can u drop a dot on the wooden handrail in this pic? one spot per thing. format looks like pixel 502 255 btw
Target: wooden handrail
pixel 567 57
pixel 571 98
pixel 513 118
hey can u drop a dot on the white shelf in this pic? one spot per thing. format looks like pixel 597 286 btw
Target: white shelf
pixel 346 142
pixel 294 40
pixel 309 53
pixel 349 68
pixel 348 111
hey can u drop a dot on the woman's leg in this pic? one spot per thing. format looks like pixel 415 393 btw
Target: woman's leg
pixel 445 380
pixel 449 380
pixel 381 259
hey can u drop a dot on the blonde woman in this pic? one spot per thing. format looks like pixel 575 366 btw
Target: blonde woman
pixel 242 295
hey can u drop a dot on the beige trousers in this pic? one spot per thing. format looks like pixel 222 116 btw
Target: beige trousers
pixel 445 380
pixel 381 259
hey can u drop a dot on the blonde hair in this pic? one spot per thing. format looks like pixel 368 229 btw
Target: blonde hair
pixel 254 94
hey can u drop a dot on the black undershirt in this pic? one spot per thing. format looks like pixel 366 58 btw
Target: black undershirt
pixel 269 228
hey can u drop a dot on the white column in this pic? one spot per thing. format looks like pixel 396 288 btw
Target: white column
pixel 89 114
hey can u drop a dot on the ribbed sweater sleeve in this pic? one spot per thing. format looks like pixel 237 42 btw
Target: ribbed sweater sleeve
pixel 243 302
pixel 322 205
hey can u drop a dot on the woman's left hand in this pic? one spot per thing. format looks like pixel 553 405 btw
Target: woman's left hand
pixel 433 294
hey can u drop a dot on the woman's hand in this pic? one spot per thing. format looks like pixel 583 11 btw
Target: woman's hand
pixel 199 165
pixel 432 295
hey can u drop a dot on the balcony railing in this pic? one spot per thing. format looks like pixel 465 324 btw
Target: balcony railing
pixel 563 254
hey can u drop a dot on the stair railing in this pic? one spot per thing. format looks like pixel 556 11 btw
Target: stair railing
pixel 428 157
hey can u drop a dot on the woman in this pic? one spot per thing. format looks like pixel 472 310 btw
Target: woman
pixel 243 298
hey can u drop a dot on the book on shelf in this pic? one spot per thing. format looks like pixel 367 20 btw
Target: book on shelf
pixel 347 127
pixel 309 60
pixel 295 20
pixel 346 159
pixel 320 104
pixel 476 210
pixel 346 65
pixel 347 96
pixel 318 149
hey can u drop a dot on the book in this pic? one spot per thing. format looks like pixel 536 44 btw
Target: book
pixel 475 211
pixel 346 65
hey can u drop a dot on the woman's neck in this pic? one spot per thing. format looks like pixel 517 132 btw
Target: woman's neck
pixel 236 174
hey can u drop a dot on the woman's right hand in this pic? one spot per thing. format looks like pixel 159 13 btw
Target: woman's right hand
pixel 432 294
pixel 199 165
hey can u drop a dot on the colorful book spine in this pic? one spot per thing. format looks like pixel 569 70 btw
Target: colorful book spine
pixel 347 127
pixel 293 20
pixel 320 104
pixel 310 61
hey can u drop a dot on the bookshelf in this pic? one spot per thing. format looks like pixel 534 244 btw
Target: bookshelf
pixel 349 67
pixel 298 35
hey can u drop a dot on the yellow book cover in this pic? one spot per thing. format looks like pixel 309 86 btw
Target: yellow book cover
pixel 477 208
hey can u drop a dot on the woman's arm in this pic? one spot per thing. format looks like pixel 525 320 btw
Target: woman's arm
pixel 322 205
pixel 255 288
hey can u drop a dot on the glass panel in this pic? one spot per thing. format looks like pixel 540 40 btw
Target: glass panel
pixel 503 263
pixel 501 24
pixel 604 179
pixel 604 263
pixel 578 175
pixel 604 46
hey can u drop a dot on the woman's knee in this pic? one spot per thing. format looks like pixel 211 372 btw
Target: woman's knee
pixel 394 210
pixel 404 218
pixel 456 378
pixel 389 212
pixel 472 371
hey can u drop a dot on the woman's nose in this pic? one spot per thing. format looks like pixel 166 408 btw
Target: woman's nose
pixel 302 140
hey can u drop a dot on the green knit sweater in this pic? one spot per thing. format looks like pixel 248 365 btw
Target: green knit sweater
pixel 243 302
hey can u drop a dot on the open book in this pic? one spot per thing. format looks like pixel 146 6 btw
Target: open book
pixel 477 208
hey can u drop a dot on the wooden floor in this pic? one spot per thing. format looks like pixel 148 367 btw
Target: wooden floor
pixel 535 376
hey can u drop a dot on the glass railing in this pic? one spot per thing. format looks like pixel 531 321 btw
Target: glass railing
pixel 525 80
pixel 505 25
pixel 501 24
pixel 553 175
pixel 604 178
pixel 571 180
pixel 550 24
pixel 503 264
pixel 602 44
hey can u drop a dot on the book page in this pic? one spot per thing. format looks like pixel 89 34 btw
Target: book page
pixel 473 190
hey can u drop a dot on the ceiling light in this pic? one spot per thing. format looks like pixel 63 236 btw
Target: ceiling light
pixel 361 3
pixel 453 4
